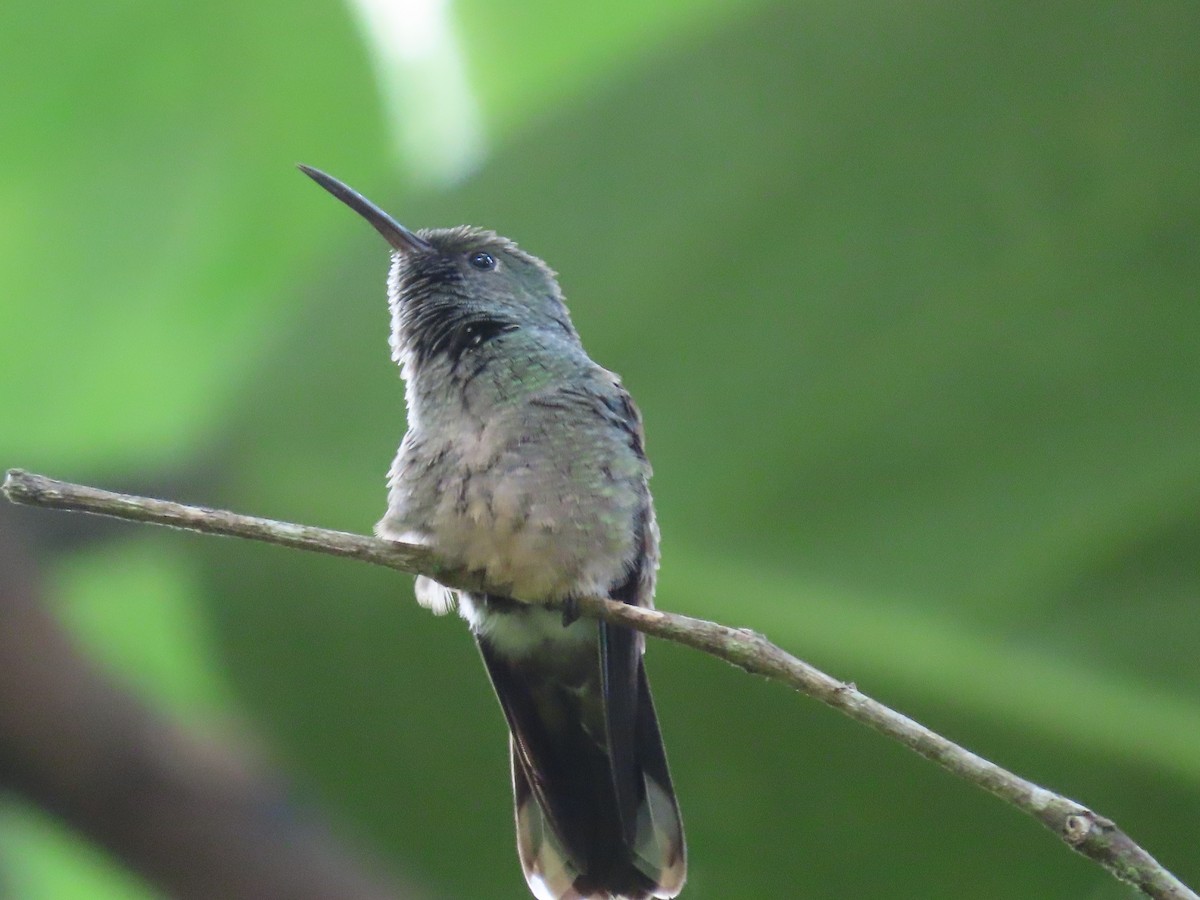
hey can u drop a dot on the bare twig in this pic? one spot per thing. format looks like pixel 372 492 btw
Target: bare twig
pixel 1085 831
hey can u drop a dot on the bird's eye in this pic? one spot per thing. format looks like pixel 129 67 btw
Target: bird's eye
pixel 483 260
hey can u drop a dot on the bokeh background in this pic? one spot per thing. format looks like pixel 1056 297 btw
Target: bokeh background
pixel 908 295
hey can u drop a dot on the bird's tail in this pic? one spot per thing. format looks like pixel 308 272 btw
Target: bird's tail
pixel 596 812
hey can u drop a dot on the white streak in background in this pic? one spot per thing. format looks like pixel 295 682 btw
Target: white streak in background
pixel 432 114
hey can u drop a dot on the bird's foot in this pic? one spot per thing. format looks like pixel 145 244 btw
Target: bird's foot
pixel 570 611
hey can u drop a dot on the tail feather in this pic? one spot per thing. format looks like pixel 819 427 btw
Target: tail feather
pixel 548 869
pixel 595 809
pixel 659 850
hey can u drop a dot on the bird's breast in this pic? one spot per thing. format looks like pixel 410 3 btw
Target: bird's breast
pixel 541 499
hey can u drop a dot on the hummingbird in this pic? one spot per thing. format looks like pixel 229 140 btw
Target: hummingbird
pixel 524 461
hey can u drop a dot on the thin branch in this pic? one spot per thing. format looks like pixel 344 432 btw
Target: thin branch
pixel 1085 831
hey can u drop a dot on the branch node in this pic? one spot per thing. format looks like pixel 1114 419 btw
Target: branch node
pixel 1076 828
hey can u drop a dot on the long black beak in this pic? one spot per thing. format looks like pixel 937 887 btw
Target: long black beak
pixel 393 232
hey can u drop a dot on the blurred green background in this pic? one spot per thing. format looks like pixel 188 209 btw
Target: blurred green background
pixel 907 295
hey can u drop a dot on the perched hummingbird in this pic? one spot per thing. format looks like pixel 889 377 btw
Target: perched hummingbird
pixel 525 461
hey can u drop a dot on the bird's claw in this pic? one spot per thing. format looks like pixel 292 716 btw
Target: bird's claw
pixel 570 612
